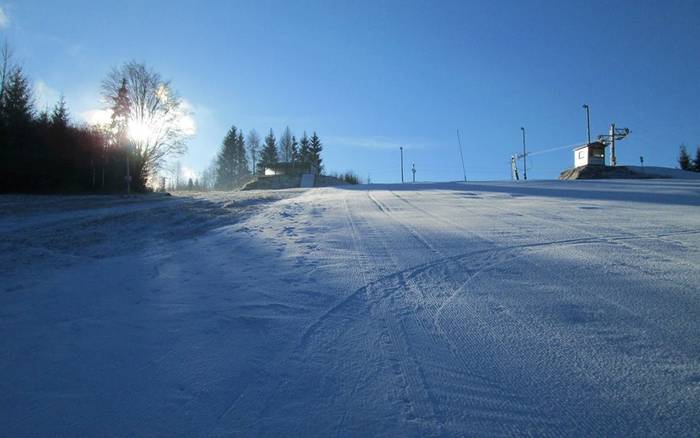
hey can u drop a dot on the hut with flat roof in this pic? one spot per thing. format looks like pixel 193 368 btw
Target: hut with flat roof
pixel 592 154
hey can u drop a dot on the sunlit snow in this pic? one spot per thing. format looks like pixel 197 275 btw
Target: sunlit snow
pixel 480 309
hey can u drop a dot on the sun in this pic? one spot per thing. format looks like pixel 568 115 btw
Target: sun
pixel 139 132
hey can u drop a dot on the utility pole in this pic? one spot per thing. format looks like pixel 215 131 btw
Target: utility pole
pixel 401 147
pixel 459 140
pixel 524 156
pixel 641 161
pixel 588 121
pixel 414 173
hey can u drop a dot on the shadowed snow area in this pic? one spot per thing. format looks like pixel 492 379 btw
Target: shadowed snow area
pixel 480 309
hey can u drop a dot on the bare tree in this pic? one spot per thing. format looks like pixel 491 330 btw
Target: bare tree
pixel 157 124
pixel 253 143
pixel 5 68
pixel 177 173
pixel 285 144
pixel 208 180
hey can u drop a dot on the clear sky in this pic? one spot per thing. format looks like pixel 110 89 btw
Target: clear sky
pixel 372 76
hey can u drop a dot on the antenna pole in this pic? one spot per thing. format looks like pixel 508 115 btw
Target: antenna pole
pixel 461 155
pixel 524 156
pixel 588 122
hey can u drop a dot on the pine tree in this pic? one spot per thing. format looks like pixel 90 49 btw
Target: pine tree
pixel 121 154
pixel 43 119
pixel 268 156
pixel 696 161
pixel 684 159
pixel 18 110
pixel 295 150
pixel 304 152
pixel 59 115
pixel 315 148
pixel 226 163
pixel 119 125
pixel 242 171
pixel 17 148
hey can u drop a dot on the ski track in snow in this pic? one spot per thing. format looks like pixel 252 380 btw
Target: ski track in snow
pixel 461 309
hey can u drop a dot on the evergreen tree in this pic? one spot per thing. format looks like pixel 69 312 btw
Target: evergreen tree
pixel 268 155
pixel 43 118
pixel 59 115
pixel 295 150
pixel 242 171
pixel 115 160
pixel 684 159
pixel 18 110
pixel 17 147
pixel 190 184
pixel 315 148
pixel 696 161
pixel 304 151
pixel 226 162
pixel 119 124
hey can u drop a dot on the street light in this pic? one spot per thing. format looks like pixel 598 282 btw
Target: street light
pixel 401 147
pixel 588 121
pixel 524 156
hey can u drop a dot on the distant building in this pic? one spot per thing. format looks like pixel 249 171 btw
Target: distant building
pixel 289 175
pixel 592 154
pixel 290 169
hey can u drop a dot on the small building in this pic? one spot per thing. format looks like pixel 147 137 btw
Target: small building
pixel 592 154
pixel 290 169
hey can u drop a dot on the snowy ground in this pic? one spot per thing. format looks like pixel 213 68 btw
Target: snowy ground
pixel 546 308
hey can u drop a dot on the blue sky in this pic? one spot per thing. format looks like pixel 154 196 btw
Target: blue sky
pixel 372 76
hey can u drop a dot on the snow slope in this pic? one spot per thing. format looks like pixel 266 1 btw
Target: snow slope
pixel 665 172
pixel 480 309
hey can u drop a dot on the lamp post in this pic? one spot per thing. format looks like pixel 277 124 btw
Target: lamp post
pixel 401 147
pixel 588 121
pixel 127 178
pixel 524 156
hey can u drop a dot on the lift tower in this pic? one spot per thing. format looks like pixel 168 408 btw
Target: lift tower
pixel 613 135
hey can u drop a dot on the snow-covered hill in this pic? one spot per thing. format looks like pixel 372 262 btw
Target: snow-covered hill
pixel 626 172
pixel 545 308
pixel 665 172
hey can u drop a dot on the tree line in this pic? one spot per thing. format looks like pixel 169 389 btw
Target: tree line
pixel 686 162
pixel 44 151
pixel 243 156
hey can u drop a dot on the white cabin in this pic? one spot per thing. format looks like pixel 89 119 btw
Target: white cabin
pixel 592 154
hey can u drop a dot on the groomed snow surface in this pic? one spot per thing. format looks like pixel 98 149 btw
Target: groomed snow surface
pixel 561 308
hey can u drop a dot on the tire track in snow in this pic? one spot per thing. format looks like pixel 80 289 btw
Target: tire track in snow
pixel 629 325
pixel 420 405
pixel 476 391
pixel 330 325
pixel 485 325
